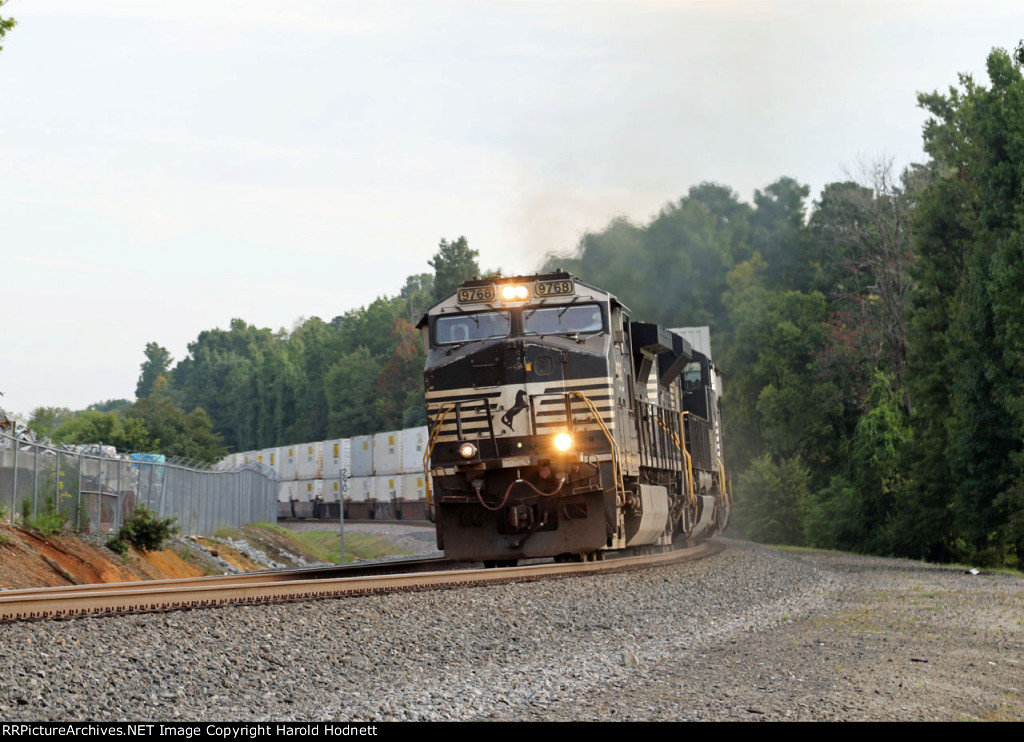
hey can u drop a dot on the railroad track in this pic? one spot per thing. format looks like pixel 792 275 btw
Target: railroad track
pixel 79 601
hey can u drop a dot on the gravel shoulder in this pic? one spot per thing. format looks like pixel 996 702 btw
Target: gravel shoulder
pixel 749 634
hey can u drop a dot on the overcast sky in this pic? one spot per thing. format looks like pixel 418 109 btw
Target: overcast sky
pixel 167 166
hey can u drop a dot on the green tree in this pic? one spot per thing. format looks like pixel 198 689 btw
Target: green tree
pixel 174 433
pixel 46 420
pixel 967 318
pixel 351 387
pixel 400 382
pixel 6 24
pixel 120 406
pixel 858 510
pixel 779 236
pixel 453 264
pixel 771 500
pixel 125 434
pixel 417 296
pixel 220 374
pixel 157 364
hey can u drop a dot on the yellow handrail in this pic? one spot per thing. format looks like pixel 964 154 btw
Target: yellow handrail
pixel 689 459
pixel 618 481
pixel 726 495
pixel 431 442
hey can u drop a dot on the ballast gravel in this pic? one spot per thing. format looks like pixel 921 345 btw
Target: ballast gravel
pixel 750 633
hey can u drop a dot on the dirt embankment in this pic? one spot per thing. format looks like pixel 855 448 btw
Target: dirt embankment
pixel 28 559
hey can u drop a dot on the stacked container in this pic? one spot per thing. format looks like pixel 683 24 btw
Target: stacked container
pixel 362 456
pixel 385 475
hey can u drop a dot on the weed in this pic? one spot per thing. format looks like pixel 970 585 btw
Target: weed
pixel 48 521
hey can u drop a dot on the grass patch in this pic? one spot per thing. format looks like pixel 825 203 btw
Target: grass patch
pixel 996 570
pixel 326 545
pixel 805 549
pixel 225 532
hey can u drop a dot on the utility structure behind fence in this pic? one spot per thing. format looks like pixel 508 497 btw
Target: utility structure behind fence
pixel 86 490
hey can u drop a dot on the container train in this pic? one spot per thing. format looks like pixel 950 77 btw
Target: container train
pixel 561 428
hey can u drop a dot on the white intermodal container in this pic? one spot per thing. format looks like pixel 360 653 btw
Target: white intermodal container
pixel 414 486
pixel 337 456
pixel 362 456
pixel 297 491
pixel 270 457
pixel 387 452
pixel 285 506
pixel 362 489
pixel 332 490
pixel 389 487
pixel 288 454
pixel 414 445
pixel 310 490
pixel 309 460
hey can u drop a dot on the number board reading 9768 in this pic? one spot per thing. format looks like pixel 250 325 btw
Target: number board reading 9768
pixel 476 294
pixel 554 288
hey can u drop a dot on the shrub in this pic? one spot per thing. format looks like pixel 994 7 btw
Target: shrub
pixel 117 546
pixel 144 530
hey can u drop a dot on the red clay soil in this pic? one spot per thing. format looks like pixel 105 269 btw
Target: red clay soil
pixel 30 560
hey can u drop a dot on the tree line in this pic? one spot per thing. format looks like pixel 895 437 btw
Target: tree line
pixel 873 344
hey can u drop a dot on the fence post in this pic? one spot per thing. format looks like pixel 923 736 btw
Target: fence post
pixel 14 479
pixel 35 482
pixel 79 497
pixel 12 490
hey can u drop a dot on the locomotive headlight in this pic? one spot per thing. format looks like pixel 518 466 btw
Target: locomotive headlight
pixel 467 450
pixel 563 441
pixel 514 292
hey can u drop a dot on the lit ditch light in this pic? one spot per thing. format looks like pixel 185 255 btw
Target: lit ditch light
pixel 467 450
pixel 515 292
pixel 563 441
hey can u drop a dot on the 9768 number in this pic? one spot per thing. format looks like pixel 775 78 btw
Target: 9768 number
pixel 554 288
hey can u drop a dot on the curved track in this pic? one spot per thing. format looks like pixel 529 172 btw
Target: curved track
pixel 298 585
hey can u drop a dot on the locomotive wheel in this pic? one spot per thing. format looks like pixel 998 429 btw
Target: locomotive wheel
pixel 499 563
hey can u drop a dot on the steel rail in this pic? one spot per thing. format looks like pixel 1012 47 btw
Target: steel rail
pixel 430 564
pixel 281 587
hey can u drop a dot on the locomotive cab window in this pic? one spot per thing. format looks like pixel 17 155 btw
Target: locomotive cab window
pixel 462 328
pixel 565 320
pixel 693 378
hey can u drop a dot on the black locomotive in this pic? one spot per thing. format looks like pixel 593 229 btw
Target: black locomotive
pixel 558 427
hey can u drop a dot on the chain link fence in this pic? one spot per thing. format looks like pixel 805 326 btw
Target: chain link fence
pixel 87 489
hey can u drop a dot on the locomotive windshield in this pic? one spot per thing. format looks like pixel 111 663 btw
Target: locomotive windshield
pixel 563 320
pixel 462 328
